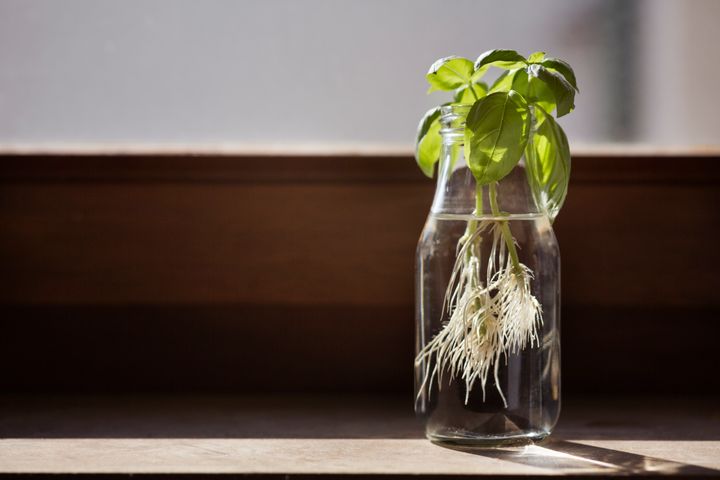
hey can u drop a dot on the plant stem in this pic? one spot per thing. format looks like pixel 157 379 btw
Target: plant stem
pixel 470 86
pixel 505 229
pixel 470 231
pixel 472 224
pixel 478 200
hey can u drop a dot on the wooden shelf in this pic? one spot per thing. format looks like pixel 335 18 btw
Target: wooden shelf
pixel 338 435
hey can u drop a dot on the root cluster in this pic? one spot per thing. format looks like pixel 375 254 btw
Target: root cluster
pixel 492 313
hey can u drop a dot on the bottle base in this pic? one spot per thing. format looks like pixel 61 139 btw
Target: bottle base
pixel 470 439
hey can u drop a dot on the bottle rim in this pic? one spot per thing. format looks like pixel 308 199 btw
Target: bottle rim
pixel 452 120
pixel 460 109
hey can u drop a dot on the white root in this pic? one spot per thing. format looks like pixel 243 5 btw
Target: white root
pixel 487 319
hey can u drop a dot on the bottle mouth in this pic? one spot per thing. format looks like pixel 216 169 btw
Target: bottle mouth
pixel 453 116
pixel 452 119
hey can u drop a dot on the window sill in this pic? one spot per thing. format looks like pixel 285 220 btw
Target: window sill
pixel 338 435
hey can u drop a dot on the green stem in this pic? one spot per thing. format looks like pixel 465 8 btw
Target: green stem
pixel 505 230
pixel 478 200
pixel 472 90
pixel 470 231
pixel 472 224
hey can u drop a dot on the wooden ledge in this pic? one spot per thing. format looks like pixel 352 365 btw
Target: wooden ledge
pixel 609 166
pixel 338 435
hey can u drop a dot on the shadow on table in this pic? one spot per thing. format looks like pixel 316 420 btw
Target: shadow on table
pixel 572 458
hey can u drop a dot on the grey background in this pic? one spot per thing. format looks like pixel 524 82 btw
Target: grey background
pixel 321 73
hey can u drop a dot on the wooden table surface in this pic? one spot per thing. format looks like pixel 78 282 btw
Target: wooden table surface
pixel 339 435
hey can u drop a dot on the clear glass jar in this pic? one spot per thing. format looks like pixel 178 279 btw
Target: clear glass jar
pixel 515 350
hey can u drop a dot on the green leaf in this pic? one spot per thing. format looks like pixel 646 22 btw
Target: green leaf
pixel 464 95
pixel 449 73
pixel 561 89
pixel 507 59
pixel 496 132
pixel 536 57
pixel 540 94
pixel 547 164
pixel 428 142
pixel 533 90
pixel 505 81
pixel 478 74
pixel 563 68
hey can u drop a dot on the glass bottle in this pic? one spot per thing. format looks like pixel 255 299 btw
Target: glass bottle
pixel 519 400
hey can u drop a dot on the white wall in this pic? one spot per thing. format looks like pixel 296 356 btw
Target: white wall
pixel 279 72
pixel 681 72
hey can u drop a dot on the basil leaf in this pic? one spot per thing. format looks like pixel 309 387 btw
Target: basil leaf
pixel 563 68
pixel 505 81
pixel 547 164
pixel 496 131
pixel 507 59
pixel 562 90
pixel 541 94
pixel 536 57
pixel 428 142
pixel 464 95
pixel 449 73
pixel 478 74
pixel 533 90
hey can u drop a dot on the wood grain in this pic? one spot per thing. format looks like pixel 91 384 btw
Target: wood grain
pixel 221 272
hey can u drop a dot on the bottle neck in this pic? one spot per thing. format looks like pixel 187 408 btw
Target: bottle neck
pixel 457 192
